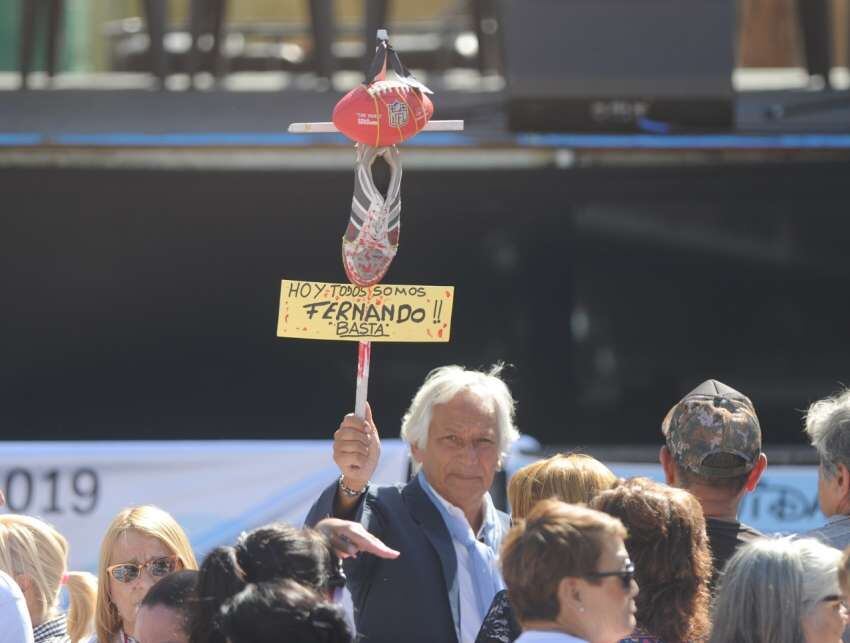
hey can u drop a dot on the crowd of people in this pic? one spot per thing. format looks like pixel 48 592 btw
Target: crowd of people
pixel 584 556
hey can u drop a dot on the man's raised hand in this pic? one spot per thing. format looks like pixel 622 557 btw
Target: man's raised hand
pixel 357 449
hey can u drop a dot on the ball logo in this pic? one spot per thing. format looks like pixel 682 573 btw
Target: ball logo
pixel 399 114
pixel 381 114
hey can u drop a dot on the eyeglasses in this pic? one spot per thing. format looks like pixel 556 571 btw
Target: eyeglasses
pixel 626 575
pixel 157 568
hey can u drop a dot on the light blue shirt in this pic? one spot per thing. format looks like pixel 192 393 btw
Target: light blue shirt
pixel 491 533
pixel 15 624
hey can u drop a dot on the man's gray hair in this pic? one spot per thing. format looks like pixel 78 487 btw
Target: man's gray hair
pixel 442 384
pixel 828 427
pixel 769 585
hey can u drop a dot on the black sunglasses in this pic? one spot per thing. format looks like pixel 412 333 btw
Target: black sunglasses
pixel 626 575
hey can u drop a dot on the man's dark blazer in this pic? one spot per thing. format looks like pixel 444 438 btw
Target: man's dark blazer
pixel 414 598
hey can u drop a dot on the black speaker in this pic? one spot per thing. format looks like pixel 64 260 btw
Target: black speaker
pixel 618 65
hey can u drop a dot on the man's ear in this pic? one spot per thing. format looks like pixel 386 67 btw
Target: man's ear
pixel 842 479
pixel 416 452
pixel 755 474
pixel 668 464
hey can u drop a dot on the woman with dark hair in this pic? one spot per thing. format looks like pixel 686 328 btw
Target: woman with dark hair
pixel 282 611
pixel 271 553
pixel 669 548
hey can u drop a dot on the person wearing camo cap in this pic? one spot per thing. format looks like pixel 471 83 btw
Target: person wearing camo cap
pixel 713 449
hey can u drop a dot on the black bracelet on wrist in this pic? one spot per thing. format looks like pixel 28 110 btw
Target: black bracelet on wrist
pixel 348 491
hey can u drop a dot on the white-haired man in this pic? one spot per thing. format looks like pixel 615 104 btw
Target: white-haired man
pixel 828 427
pixel 459 426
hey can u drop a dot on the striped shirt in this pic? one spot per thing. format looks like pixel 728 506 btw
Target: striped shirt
pixel 54 630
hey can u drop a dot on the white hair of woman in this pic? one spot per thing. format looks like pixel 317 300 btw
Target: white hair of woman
pixel 770 587
pixel 828 427
pixel 442 384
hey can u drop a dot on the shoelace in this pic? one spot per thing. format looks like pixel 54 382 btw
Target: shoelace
pixel 371 239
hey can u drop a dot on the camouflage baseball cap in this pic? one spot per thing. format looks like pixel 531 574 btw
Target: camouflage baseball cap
pixel 713 419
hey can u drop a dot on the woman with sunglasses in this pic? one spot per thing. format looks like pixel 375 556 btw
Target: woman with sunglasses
pixel 141 545
pixel 568 575
pixel 780 590
pixel 36 556
pixel 668 544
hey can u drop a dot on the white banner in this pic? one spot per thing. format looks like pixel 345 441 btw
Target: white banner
pixel 218 489
pixel 214 489
pixel 785 501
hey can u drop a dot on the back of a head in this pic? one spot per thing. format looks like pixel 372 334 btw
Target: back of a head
pixel 571 477
pixel 219 578
pixel 761 594
pixel 271 553
pixel 279 551
pixel 31 547
pixel 177 592
pixel 282 611
pixel 556 540
pixel 668 545
pixel 713 435
pixel 828 427
pixel 524 489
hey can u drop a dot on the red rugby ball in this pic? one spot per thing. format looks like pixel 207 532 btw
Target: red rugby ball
pixel 384 113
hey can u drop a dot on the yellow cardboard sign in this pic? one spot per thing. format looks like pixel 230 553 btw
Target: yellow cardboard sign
pixel 381 313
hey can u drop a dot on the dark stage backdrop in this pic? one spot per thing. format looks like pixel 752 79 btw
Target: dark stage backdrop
pixel 142 304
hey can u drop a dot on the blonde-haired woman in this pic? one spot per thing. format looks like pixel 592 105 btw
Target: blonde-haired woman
pixel 569 477
pixel 141 545
pixel 36 556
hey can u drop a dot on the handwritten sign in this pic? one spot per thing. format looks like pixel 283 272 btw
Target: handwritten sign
pixel 381 313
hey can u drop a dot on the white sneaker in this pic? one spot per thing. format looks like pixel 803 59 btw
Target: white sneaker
pixel 371 238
